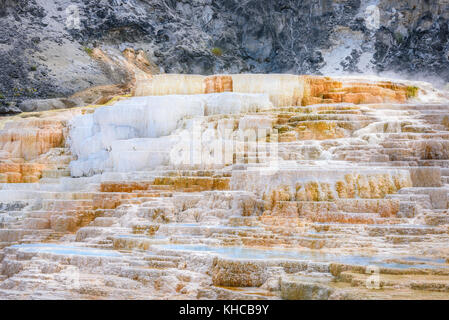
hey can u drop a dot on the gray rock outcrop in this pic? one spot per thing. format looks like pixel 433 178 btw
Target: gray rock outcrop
pixel 45 45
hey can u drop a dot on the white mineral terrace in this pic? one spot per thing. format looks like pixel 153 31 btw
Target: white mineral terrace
pixel 230 187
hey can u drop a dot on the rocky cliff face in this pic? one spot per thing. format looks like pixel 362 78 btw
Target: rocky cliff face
pixel 46 46
pixel 236 194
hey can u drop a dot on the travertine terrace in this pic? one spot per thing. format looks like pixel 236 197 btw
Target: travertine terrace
pixel 230 187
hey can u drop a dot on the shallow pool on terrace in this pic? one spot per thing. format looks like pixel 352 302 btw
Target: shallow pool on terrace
pixel 312 256
pixel 61 249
